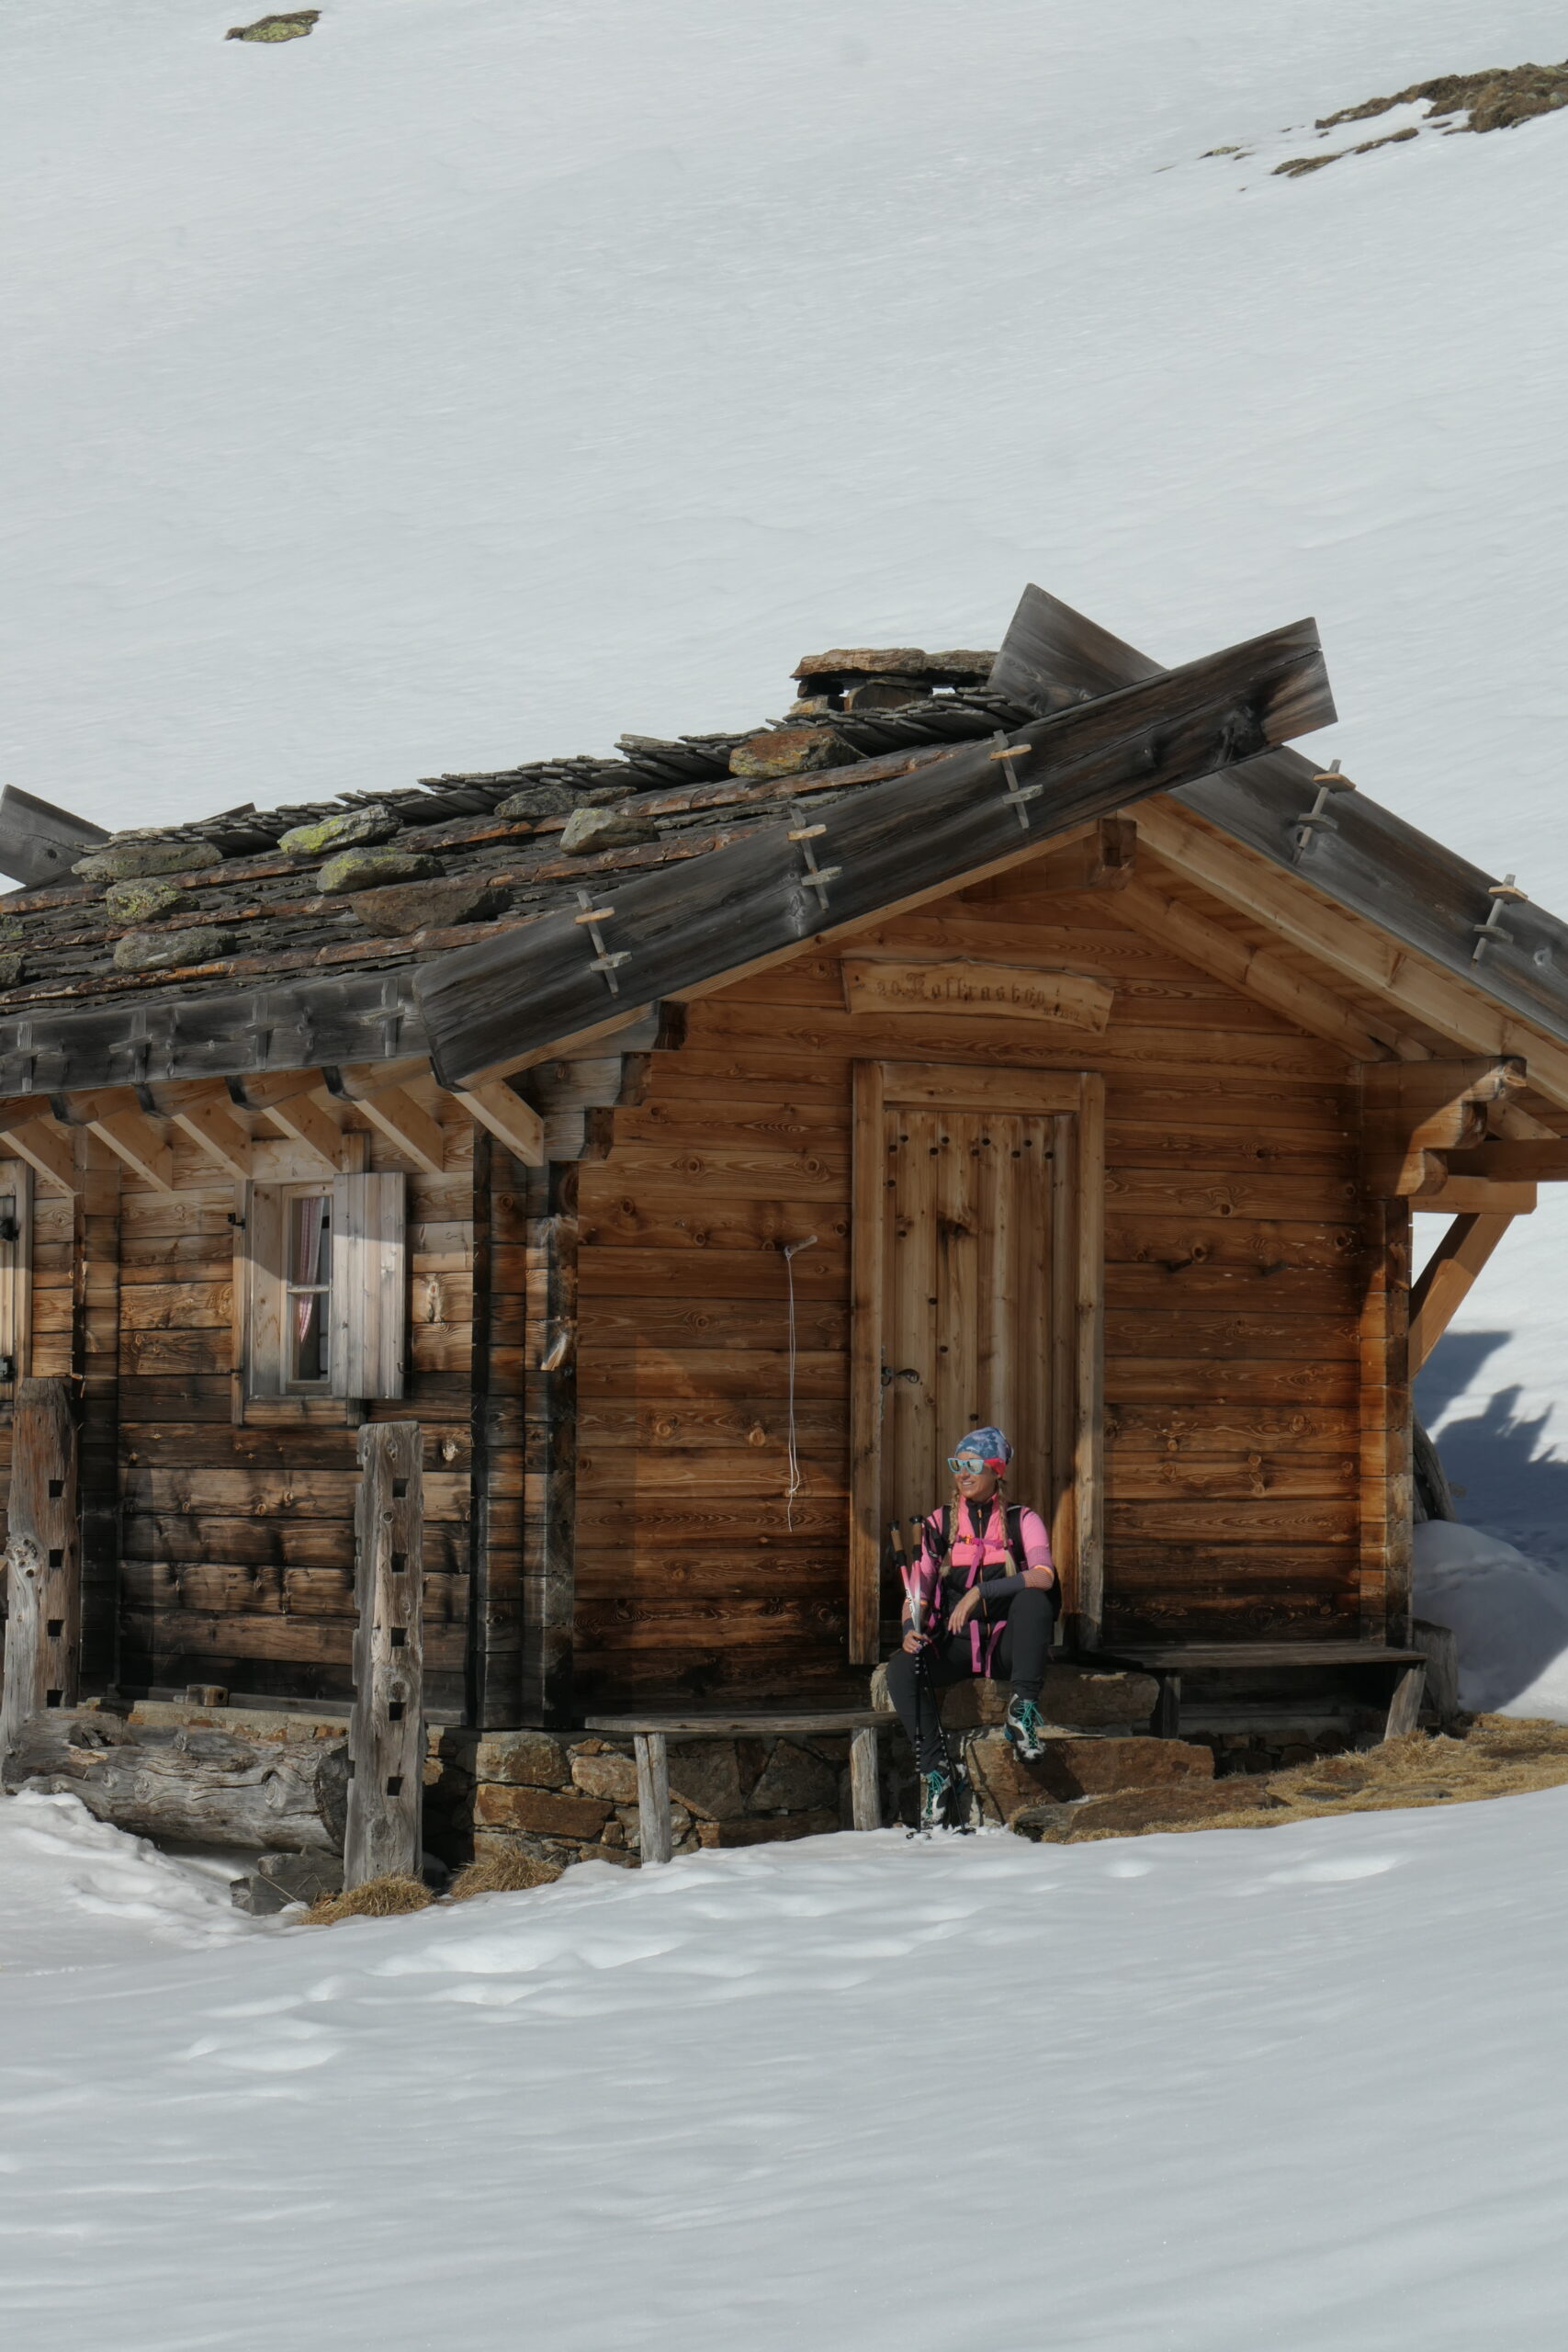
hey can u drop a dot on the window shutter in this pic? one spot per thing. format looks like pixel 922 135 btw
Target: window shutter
pixel 16 1276
pixel 369 1286
pixel 262 1237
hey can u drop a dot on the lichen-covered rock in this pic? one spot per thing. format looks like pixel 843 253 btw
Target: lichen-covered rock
pixel 11 968
pixel 539 1809
pixel 167 951
pixel 1079 1766
pixel 352 828
pixel 132 854
pixel 588 829
pixel 706 1776
pixel 795 1780
pixel 539 800
pixel 294 26
pixel 1134 1812
pixel 790 751
pixel 369 869
pixel 531 1758
pixel 607 1776
pixel 144 901
pixel 403 906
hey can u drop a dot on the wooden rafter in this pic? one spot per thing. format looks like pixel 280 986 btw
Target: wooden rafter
pixel 512 1121
pixel 1447 1278
pixel 306 1119
pixel 213 1128
pixel 46 1147
pixel 406 1127
pixel 1540 1162
pixel 1348 944
pixel 1254 970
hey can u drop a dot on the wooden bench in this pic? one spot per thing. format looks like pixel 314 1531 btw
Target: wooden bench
pixel 650 1735
pixel 1402 1672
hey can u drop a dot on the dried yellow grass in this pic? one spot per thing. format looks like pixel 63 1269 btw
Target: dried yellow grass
pixel 502 1874
pixel 379 1898
pixel 1499 1756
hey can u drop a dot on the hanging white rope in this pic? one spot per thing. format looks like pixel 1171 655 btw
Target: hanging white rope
pixel 793 1487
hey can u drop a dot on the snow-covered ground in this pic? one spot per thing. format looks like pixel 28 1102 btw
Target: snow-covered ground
pixel 1288 2090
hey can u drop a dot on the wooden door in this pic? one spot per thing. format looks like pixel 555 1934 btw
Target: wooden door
pixel 978 1249
pixel 968 1325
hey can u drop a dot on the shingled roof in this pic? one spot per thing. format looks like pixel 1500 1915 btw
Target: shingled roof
pixel 304 934
pixel 207 908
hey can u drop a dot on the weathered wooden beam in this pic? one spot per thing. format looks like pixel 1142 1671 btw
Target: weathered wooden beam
pixel 1544 1162
pixel 1362 857
pixel 307 1120
pixel 43 1560
pixel 1462 1195
pixel 865 1782
pixel 45 1145
pixel 386 1737
pixel 203 1787
pixel 264 1088
pixel 1447 1278
pixel 406 1127
pixel 486 1008
pixel 653 1753
pixel 213 1128
pixel 512 1121
pixel 39 843
pixel 1425 1087
pixel 551 1235
pixel 1254 970
pixel 1102 856
pixel 1352 945
pixel 140 1142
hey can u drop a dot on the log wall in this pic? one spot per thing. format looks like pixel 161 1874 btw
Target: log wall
pixel 1237 1258
pixel 225 1553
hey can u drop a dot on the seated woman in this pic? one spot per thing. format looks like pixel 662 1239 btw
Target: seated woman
pixel 982 1593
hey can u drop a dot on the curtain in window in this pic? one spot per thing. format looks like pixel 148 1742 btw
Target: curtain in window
pixel 310 1215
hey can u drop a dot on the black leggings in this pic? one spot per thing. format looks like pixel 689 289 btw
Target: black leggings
pixel 1020 1659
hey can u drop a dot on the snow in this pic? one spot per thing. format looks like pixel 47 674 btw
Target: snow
pixel 467 383
pixel 1205 2093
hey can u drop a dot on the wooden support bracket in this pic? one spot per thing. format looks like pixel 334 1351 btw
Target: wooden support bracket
pixel 1447 1278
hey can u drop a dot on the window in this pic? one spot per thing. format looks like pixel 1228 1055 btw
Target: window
pixel 324 1287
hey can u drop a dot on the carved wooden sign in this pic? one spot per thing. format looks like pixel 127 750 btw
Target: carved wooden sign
pixel 961 988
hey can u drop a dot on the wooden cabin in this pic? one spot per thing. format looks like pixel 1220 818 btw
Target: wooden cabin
pixel 695 1141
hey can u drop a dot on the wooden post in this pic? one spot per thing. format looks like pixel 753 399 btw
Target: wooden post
pixel 653 1796
pixel 549 1525
pixel 386 1735
pixel 867 1308
pixel 1385 1480
pixel 865 1794
pixel 1089 1450
pixel 1404 1706
pixel 95 1358
pixel 43 1633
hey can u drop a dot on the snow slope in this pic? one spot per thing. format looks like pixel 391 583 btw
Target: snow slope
pixel 469 381
pixel 1284 2088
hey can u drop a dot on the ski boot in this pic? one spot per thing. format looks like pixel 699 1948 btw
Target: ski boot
pixel 938 1791
pixel 1024 1729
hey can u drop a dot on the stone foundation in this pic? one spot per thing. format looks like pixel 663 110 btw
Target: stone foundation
pixel 567 1797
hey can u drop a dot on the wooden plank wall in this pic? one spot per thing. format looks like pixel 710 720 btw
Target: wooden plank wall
pixel 236 1545
pixel 1235 1266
